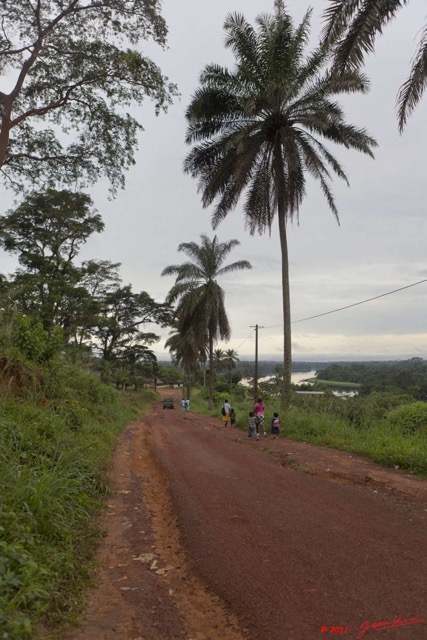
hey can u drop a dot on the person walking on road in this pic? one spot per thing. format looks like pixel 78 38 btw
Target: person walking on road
pixel 275 425
pixel 183 405
pixel 187 404
pixel 226 409
pixel 232 417
pixel 259 408
pixel 252 432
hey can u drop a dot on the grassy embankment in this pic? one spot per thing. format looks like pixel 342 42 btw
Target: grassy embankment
pixel 58 428
pixel 391 430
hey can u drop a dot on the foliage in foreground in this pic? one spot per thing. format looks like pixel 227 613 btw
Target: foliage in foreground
pixel 57 432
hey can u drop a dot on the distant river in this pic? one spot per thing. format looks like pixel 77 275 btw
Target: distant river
pixel 299 377
pixel 296 378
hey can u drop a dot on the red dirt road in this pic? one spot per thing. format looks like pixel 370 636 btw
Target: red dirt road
pixel 212 535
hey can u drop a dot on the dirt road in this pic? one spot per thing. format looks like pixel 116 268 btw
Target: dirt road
pixel 211 535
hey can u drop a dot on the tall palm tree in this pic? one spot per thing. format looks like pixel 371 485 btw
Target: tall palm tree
pixel 352 26
pixel 259 129
pixel 199 298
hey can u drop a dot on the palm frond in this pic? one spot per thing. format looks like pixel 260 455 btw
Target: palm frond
pixel 350 137
pixel 235 266
pixel 259 207
pixel 337 168
pixel 337 17
pixel 412 90
pixel 242 40
pixel 361 22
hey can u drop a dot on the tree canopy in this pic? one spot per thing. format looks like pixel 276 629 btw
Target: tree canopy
pixel 46 232
pixel 94 313
pixel 69 70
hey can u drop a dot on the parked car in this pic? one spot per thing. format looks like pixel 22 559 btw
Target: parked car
pixel 168 403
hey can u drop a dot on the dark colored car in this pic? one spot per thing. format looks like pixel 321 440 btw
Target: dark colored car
pixel 168 403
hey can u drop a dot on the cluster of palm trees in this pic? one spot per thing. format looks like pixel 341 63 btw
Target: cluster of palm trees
pixel 258 130
pixel 200 315
pixel 226 360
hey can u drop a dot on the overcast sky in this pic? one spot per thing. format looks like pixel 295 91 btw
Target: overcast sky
pixel 379 246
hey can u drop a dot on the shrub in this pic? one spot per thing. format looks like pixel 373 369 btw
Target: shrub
pixel 409 418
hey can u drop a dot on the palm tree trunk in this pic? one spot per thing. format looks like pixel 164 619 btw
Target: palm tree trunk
pixel 286 299
pixel 211 371
pixel 188 384
pixel 287 344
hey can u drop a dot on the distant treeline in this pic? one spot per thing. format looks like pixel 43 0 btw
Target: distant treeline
pixel 398 376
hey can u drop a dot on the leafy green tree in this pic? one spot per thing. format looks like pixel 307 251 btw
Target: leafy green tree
pixel 171 376
pixel 46 232
pixel 352 27
pixel 69 70
pixel 199 298
pixel 259 129
pixel 33 341
pixel 118 327
pixel 98 278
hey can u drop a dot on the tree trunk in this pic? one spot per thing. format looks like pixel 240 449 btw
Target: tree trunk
pixel 188 384
pixel 287 344
pixel 5 126
pixel 280 185
pixel 211 372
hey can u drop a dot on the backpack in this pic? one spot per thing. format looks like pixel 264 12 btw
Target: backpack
pixel 223 410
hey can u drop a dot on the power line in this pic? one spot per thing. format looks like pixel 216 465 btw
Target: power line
pixel 355 304
pixel 245 340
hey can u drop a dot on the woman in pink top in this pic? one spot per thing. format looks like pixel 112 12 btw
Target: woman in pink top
pixel 259 408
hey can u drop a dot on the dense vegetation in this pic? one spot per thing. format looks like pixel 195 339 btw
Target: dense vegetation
pixel 58 426
pixel 400 376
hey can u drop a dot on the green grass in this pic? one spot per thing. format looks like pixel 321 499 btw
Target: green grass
pixel 55 445
pixel 377 439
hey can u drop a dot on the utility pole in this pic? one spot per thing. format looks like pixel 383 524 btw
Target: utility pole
pixel 256 327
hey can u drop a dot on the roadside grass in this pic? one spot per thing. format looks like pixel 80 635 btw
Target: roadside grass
pixel 55 445
pixel 378 440
pixel 373 427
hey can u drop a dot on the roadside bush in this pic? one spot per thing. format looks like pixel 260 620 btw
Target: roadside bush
pixel 409 418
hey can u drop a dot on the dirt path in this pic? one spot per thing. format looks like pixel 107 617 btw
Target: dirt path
pixel 211 536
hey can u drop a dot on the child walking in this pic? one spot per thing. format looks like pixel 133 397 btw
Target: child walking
pixel 252 432
pixel 232 417
pixel 275 425
pixel 259 408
